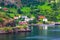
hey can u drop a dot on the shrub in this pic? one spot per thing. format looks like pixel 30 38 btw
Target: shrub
pixel 1 20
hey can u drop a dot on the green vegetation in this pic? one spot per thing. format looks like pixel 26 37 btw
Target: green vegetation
pixel 50 10
pixel 1 20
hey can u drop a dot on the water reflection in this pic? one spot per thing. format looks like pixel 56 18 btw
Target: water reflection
pixel 38 33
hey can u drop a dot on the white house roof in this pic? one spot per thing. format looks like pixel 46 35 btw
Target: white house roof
pixel 24 16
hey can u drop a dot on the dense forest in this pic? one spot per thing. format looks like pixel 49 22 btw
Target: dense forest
pixel 31 8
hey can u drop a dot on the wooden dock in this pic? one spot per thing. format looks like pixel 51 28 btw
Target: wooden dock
pixel 57 23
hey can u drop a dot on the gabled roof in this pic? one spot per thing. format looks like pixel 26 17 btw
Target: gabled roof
pixel 5 9
pixel 41 17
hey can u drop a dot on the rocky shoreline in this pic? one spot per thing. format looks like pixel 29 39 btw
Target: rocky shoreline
pixel 15 30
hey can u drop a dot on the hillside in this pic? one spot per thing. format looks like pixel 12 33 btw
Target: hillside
pixel 28 7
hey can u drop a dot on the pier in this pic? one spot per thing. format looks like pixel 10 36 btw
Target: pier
pixel 40 24
pixel 57 23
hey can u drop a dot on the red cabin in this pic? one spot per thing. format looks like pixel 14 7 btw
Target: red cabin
pixel 5 9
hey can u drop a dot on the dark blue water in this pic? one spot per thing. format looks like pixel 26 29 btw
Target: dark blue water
pixel 38 33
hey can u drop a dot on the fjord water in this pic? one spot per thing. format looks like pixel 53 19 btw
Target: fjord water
pixel 37 33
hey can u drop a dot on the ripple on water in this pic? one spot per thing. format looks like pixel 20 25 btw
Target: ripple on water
pixel 38 37
pixel 43 37
pixel 54 30
pixel 56 39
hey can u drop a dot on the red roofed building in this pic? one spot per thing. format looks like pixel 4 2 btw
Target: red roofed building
pixel 5 9
pixel 41 17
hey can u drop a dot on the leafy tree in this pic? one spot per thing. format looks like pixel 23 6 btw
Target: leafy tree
pixel 26 10
pixel 1 20
pixel 19 11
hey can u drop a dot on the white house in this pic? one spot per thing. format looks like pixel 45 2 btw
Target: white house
pixel 45 19
pixel 16 17
pixel 0 7
pixel 24 17
pixel 28 19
